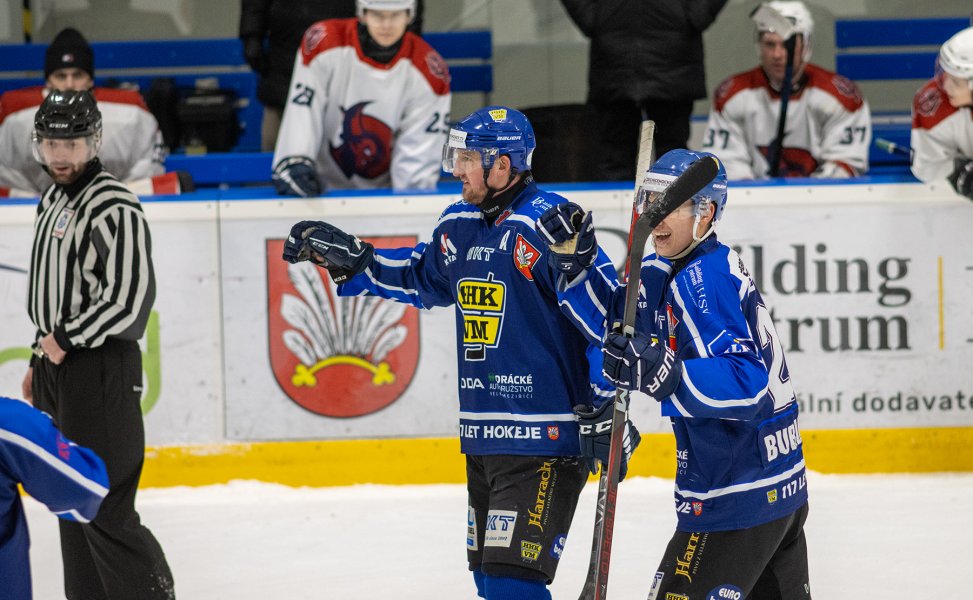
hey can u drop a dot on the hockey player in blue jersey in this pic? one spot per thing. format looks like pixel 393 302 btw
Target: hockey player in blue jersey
pixel 529 345
pixel 707 350
pixel 71 480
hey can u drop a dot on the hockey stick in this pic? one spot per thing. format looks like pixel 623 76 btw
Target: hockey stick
pixel 594 580
pixel 893 148
pixel 683 188
pixel 769 19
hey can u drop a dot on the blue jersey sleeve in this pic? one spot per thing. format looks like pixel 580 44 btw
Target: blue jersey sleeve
pixel 724 374
pixel 408 275
pixel 70 479
pixel 586 305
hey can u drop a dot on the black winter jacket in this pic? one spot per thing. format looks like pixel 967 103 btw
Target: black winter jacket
pixel 283 25
pixel 645 49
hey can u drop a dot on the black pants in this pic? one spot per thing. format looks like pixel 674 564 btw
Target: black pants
pixel 766 562
pixel 619 132
pixel 520 510
pixel 94 398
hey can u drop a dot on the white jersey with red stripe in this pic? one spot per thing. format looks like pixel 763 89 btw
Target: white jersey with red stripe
pixel 827 134
pixel 940 133
pixel 131 145
pixel 366 124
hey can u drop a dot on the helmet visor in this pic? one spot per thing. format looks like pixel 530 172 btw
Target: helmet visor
pixel 65 151
pixel 458 159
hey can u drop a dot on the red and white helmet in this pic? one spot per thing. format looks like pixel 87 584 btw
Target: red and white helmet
pixel 800 17
pixel 956 55
pixel 407 5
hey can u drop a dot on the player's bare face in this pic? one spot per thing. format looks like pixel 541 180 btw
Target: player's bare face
pixel 958 90
pixel 64 80
pixel 386 26
pixel 773 57
pixel 65 159
pixel 468 168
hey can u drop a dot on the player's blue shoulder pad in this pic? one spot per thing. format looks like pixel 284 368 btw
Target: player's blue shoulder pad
pixel 540 203
pixel 459 208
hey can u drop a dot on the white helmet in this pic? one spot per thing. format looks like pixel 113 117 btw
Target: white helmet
pixel 797 13
pixel 956 55
pixel 406 5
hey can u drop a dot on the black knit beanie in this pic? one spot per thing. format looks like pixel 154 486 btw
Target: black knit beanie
pixel 69 50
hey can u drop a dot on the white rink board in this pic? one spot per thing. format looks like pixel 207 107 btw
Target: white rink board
pixel 895 234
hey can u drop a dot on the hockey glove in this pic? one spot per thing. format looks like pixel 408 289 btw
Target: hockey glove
pixel 962 177
pixel 296 176
pixel 343 255
pixel 637 364
pixel 570 234
pixel 595 426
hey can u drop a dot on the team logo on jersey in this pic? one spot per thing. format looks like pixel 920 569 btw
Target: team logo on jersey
pixel 482 303
pixel 697 508
pixel 63 447
pixel 673 322
pixel 928 101
pixel 312 37
pixel 366 144
pixel 525 257
pixel 553 432
pixel 846 88
pixel 338 357
pixel 448 249
pixel 794 162
pixel 437 66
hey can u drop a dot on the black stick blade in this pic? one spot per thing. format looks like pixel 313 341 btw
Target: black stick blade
pixel 692 180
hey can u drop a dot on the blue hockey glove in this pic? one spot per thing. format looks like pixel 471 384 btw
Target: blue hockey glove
pixel 570 234
pixel 296 176
pixel 638 364
pixel 595 426
pixel 962 177
pixel 342 254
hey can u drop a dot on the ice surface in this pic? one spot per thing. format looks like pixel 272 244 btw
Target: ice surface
pixel 876 536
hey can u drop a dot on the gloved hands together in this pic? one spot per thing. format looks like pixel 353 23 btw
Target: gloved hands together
pixel 570 234
pixel 962 177
pixel 297 176
pixel 637 364
pixel 342 254
pixel 595 429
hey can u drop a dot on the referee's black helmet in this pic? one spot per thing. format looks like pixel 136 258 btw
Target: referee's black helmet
pixel 68 114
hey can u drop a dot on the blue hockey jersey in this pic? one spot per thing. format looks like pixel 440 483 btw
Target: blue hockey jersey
pixel 527 352
pixel 739 455
pixel 69 479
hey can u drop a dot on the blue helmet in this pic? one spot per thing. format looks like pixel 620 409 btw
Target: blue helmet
pixel 493 131
pixel 672 164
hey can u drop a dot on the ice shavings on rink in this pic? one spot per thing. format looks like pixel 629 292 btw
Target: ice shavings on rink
pixel 875 536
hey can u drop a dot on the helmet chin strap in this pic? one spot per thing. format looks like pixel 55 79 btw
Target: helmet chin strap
pixel 491 205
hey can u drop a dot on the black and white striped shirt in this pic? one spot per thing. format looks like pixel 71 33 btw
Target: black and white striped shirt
pixel 91 274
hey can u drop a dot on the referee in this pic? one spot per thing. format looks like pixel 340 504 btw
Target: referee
pixel 91 290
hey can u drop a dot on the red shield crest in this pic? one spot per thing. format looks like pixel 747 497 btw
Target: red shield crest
pixel 334 356
pixel 553 432
pixel 697 508
pixel 525 257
